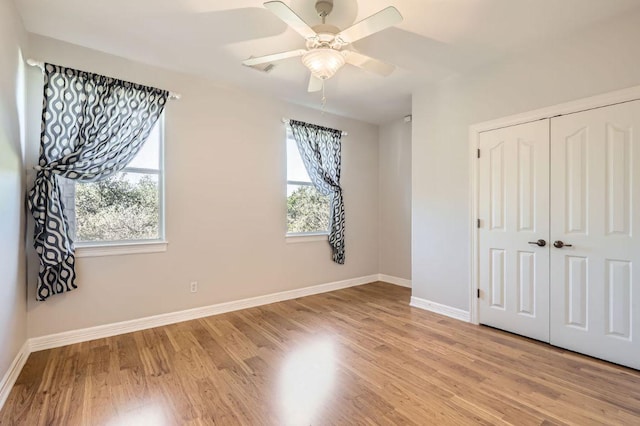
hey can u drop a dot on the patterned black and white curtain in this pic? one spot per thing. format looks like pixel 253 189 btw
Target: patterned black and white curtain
pixel 320 149
pixel 92 127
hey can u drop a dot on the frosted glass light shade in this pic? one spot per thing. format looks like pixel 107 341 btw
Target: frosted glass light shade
pixel 324 62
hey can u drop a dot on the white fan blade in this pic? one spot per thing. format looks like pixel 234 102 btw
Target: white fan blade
pixel 369 64
pixel 290 18
pixel 377 22
pixel 273 57
pixel 315 84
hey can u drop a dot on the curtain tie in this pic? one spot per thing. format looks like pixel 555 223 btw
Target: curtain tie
pixel 45 171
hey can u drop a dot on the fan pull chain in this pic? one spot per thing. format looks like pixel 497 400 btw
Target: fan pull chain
pixel 324 99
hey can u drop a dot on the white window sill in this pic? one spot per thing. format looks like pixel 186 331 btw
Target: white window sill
pixel 306 238
pixel 118 249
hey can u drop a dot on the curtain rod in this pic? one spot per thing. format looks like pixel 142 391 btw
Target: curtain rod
pixel 40 64
pixel 286 121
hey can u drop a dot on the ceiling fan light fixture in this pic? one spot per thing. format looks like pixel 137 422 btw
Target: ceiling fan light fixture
pixel 323 62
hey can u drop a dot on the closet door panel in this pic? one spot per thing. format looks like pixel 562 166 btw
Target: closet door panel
pixel 514 212
pixel 595 209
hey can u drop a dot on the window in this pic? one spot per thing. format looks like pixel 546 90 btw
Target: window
pixel 307 209
pixel 127 207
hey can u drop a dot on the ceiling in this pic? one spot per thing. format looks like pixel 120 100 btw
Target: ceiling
pixel 210 38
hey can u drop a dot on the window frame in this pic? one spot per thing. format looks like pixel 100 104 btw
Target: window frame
pixel 120 247
pixel 299 237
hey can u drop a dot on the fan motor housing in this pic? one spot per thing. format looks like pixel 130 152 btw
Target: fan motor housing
pixel 326 36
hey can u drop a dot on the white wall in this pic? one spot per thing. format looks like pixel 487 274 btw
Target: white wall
pixel 394 165
pixel 600 60
pixel 225 203
pixel 13 318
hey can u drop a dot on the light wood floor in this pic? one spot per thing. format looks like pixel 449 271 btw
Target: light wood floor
pixel 354 356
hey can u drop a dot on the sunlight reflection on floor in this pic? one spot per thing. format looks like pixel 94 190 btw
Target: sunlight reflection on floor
pixel 152 415
pixel 306 379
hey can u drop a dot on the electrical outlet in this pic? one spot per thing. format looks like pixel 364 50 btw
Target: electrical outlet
pixel 194 286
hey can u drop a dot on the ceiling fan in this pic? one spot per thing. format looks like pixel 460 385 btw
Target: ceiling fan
pixel 324 54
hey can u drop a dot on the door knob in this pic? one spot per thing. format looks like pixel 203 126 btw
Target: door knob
pixel 540 243
pixel 560 244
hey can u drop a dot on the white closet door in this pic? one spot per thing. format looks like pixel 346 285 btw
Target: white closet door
pixel 595 208
pixel 514 214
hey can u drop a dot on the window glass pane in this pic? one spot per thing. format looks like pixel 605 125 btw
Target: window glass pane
pixel 149 155
pixel 307 209
pixel 123 207
pixel 295 166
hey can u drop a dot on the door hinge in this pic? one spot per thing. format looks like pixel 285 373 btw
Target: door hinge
pixel 478 223
pixel 478 153
pixel 478 293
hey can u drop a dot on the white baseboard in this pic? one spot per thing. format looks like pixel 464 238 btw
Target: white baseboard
pixel 438 308
pixel 10 377
pixel 402 282
pixel 114 329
